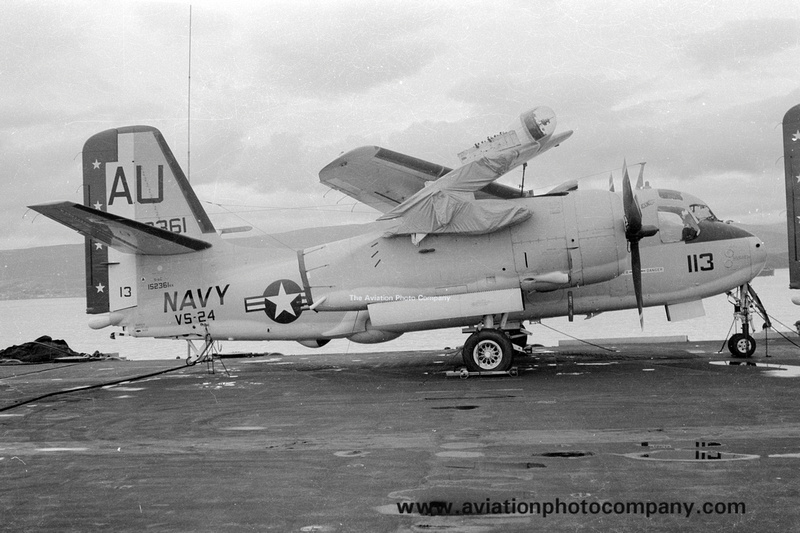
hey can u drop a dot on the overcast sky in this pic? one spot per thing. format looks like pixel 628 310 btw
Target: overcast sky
pixel 279 89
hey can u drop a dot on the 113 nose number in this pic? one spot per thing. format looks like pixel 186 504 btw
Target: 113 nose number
pixel 700 262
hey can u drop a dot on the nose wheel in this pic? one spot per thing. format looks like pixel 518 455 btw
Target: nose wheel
pixel 741 345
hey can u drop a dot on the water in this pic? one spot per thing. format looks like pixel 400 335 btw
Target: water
pixel 65 318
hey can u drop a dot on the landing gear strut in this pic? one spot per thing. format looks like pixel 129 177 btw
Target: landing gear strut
pixel 742 344
pixel 490 348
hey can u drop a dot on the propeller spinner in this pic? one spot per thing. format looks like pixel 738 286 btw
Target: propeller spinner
pixel 634 232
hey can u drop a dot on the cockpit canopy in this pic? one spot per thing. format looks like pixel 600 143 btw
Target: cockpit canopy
pixel 678 216
pixel 703 212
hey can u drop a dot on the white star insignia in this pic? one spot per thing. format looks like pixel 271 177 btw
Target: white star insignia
pixel 98 206
pixel 283 302
pixel 796 136
pixel 96 164
pixel 100 287
pixel 98 246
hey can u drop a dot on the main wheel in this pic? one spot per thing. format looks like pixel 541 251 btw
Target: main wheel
pixel 487 350
pixel 741 345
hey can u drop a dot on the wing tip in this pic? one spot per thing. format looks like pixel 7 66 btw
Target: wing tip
pixel 345 157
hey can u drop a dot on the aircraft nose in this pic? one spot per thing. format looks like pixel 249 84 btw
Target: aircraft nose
pixel 758 255
pixel 750 248
pixel 756 248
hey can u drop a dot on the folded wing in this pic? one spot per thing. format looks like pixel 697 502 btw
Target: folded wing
pixel 431 198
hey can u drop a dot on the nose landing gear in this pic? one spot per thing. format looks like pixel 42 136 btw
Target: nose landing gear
pixel 745 301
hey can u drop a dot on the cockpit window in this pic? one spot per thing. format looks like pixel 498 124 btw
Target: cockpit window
pixel 676 224
pixel 667 194
pixel 702 212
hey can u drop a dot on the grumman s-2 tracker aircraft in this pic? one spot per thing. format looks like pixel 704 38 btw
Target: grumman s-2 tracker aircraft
pixel 452 248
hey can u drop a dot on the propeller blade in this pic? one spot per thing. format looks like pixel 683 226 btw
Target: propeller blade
pixel 636 273
pixel 640 179
pixel 633 213
pixel 634 232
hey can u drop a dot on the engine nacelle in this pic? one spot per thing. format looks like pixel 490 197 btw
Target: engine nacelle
pixel 572 240
pixel 314 343
pixel 602 252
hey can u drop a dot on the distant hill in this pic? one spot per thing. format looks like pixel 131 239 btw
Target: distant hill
pixel 47 272
pixel 58 271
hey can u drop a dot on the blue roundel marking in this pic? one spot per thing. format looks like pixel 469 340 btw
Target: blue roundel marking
pixel 282 301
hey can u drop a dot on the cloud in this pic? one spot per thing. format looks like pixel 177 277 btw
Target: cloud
pixel 281 88
pixel 335 49
pixel 230 204
pixel 273 161
pixel 738 44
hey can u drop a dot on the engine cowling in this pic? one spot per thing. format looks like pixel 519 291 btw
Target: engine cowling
pixel 602 252
pixel 572 240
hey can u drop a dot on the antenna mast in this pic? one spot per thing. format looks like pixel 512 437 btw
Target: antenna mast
pixel 189 106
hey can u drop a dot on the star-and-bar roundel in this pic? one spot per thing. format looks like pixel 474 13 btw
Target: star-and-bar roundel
pixel 282 301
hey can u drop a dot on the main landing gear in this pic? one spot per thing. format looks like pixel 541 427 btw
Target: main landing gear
pixel 490 348
pixel 745 301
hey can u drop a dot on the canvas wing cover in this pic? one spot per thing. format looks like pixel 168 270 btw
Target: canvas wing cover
pixel 448 205
pixel 431 198
pixel 383 179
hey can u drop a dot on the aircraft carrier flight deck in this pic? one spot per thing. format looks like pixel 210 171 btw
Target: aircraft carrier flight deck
pixel 662 437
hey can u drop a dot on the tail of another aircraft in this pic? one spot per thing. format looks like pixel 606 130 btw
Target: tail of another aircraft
pixel 130 173
pixel 791 152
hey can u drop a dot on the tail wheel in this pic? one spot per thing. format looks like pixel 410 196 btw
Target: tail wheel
pixel 487 350
pixel 741 345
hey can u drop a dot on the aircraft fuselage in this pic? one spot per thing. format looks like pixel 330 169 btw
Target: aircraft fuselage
pixel 569 258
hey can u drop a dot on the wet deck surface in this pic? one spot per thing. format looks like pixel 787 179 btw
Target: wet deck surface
pixel 582 439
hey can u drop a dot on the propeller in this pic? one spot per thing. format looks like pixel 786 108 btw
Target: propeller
pixel 634 232
pixel 640 179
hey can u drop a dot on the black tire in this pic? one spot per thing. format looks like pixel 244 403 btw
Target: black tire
pixel 487 350
pixel 741 345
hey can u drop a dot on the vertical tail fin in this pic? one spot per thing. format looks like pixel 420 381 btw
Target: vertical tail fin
pixel 131 172
pixel 791 152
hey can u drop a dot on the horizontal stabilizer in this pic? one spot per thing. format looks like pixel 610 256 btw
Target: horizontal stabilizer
pixel 118 232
